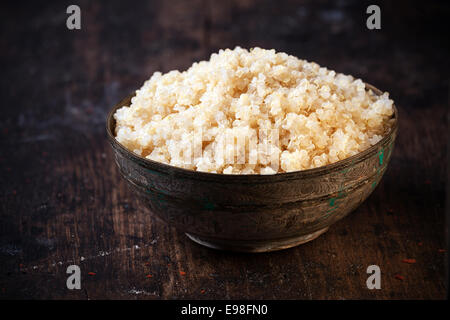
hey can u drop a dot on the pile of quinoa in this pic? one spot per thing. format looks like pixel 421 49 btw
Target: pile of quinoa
pixel 283 114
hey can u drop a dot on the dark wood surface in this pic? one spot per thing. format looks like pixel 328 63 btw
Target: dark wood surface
pixel 63 201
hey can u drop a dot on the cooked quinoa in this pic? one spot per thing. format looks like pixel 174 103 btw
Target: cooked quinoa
pixel 283 114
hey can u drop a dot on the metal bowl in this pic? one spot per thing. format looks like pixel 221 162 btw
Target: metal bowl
pixel 253 213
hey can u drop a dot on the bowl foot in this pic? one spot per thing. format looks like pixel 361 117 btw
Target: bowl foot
pixel 255 245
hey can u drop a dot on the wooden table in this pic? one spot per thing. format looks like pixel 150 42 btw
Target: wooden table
pixel 63 201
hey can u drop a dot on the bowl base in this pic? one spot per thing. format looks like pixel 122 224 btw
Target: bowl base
pixel 255 245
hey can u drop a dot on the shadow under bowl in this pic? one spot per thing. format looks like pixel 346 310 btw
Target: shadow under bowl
pixel 253 213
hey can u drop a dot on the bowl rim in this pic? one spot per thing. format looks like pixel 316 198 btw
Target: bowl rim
pixel 167 168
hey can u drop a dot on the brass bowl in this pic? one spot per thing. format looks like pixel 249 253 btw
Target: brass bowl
pixel 253 213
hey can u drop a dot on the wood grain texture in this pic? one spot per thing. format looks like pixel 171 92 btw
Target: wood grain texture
pixel 62 200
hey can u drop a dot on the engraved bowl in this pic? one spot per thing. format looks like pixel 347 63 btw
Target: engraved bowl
pixel 253 213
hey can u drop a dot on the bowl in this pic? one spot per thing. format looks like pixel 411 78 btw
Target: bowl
pixel 253 213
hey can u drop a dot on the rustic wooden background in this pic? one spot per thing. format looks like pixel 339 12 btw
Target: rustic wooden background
pixel 63 201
